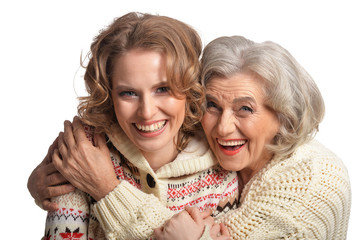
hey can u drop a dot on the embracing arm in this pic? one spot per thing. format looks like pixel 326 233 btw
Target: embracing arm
pixel 46 182
pixel 85 160
pixel 123 211
pixel 128 213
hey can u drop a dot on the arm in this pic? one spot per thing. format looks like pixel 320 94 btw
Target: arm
pixel 84 163
pixel 123 211
pixel 46 182
pixel 128 213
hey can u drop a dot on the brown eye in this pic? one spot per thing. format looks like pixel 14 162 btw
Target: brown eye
pixel 127 94
pixel 162 90
pixel 211 104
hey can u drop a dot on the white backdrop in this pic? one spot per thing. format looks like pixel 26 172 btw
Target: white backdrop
pixel 41 43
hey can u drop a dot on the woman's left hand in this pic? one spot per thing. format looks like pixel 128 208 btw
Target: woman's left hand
pixel 189 225
pixel 86 166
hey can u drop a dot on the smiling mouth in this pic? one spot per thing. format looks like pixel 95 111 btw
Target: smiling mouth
pixel 231 147
pixel 150 128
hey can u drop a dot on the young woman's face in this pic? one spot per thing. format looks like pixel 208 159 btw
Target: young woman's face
pixel 237 123
pixel 146 111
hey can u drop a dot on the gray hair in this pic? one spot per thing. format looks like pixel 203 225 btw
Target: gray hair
pixel 289 90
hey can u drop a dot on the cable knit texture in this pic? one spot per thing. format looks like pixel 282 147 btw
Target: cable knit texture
pixel 306 196
pixel 144 199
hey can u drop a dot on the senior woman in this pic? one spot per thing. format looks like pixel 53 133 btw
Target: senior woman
pixel 262 112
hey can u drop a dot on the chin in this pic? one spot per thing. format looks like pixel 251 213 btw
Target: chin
pixel 228 166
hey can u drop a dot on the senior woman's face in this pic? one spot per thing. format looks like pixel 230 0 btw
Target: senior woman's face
pixel 237 123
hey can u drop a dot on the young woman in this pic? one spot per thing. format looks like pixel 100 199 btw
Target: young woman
pixel 144 95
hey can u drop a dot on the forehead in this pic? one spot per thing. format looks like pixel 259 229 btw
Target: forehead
pixel 137 57
pixel 238 87
pixel 138 63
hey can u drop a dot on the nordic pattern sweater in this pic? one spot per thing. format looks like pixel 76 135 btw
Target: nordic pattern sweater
pixel 144 199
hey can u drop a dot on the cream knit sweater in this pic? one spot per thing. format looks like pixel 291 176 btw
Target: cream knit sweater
pixel 144 199
pixel 306 196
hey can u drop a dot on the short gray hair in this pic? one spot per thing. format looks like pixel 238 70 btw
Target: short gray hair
pixel 289 90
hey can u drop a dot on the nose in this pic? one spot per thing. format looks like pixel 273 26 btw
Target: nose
pixel 147 107
pixel 226 124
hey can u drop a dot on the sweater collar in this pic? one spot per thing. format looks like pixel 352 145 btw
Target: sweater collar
pixel 194 158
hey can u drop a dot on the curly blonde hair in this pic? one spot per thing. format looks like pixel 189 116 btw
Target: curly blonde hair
pixel 289 90
pixel 180 44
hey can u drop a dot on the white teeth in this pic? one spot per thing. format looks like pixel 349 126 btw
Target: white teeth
pixel 152 127
pixel 231 143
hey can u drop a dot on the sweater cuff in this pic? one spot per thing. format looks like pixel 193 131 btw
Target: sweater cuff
pixel 129 212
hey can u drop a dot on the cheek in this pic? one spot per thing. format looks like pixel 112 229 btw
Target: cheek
pixel 204 122
pixel 268 129
pixel 123 111
pixel 176 107
pixel 116 109
pixel 115 105
pixel 272 127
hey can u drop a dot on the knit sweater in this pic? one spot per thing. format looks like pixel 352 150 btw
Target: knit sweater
pixel 128 212
pixel 306 196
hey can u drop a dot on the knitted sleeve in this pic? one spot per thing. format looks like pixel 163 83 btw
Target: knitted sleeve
pixel 70 221
pixel 304 197
pixel 128 213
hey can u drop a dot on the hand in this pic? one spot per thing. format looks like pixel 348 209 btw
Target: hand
pixel 86 166
pixel 219 232
pixel 186 225
pixel 43 181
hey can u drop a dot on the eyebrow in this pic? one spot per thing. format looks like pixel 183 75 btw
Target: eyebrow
pixel 162 83
pixel 236 100
pixel 208 96
pixel 121 87
pixel 244 99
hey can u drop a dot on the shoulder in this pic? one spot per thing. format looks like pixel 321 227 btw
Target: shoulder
pixel 312 160
pixel 309 170
pixel 322 163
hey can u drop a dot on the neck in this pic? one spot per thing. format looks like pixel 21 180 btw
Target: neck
pixel 160 158
pixel 247 173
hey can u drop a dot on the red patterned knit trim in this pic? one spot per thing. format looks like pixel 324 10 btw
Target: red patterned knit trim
pixel 230 193
pixel 121 175
pixel 68 213
pixel 198 202
pixel 213 179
